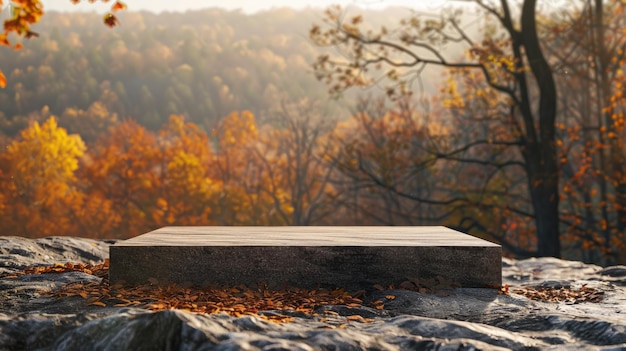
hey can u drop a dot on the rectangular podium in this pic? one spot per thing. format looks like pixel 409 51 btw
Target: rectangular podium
pixel 350 257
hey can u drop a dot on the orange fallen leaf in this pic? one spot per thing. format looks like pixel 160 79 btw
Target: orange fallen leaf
pixel 235 300
pixel 356 317
pixel 118 6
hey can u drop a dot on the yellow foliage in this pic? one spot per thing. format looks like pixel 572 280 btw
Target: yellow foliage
pixel 154 180
pixel 133 180
pixel 45 154
pixel 452 97
pixel 40 182
pixel 237 129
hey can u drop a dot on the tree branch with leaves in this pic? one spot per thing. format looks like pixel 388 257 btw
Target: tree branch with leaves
pixel 26 13
pixel 509 57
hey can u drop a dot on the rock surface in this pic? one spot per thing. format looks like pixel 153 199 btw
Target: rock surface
pixel 460 319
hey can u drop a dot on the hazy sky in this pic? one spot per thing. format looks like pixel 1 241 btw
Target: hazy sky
pixel 247 6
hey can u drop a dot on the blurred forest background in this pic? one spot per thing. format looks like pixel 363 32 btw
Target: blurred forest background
pixel 214 117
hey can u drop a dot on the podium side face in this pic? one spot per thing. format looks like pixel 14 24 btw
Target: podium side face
pixel 306 257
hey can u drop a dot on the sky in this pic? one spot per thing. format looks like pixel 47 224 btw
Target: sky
pixel 248 6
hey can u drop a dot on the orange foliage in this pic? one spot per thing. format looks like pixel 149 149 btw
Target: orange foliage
pixel 277 175
pixel 383 154
pixel 133 180
pixel 153 180
pixel 247 160
pixel 591 136
pixel 38 182
pixel 241 201
pixel 187 183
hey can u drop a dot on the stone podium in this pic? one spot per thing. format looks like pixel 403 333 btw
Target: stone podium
pixel 307 257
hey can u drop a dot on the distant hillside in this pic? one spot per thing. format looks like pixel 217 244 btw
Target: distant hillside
pixel 203 64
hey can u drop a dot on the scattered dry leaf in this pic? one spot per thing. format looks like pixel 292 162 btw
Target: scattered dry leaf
pixel 560 294
pixel 356 318
pixel 235 301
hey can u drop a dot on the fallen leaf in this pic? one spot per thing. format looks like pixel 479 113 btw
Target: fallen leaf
pixel 355 317
pixel 118 6
pixel 235 300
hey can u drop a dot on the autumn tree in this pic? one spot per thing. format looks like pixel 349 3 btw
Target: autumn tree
pixel 497 203
pixel 39 182
pixel 152 180
pixel 510 58
pixel 120 168
pixel 188 190
pixel 618 108
pixel 274 174
pixel 90 123
pixel 386 176
pixel 241 202
pixel 587 49
pixel 295 150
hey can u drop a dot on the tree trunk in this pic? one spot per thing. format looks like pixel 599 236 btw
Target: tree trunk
pixel 541 152
pixel 546 205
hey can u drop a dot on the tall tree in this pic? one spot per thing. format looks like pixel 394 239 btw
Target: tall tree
pixel 276 174
pixel 246 197
pixel 511 63
pixel 387 177
pixel 587 49
pixel 294 152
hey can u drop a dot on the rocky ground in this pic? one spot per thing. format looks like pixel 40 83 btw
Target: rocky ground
pixel 547 304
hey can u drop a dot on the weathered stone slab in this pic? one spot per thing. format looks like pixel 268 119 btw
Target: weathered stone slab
pixel 307 257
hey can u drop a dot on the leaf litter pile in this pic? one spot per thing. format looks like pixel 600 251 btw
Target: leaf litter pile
pixel 558 294
pixel 235 301
pixel 241 300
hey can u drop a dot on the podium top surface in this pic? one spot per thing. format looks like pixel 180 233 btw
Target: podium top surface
pixel 306 236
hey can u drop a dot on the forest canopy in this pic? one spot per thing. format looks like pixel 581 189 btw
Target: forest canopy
pixel 215 117
pixel 203 64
